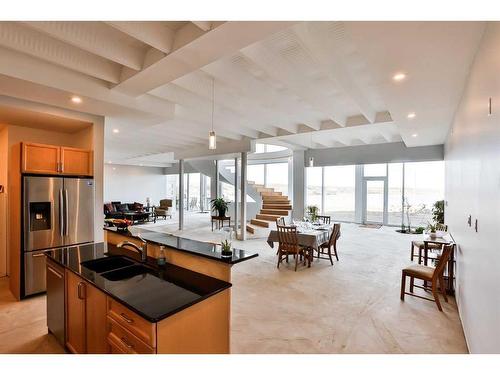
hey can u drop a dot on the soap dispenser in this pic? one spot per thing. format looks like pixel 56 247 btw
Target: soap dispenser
pixel 161 256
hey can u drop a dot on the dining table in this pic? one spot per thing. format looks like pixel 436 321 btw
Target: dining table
pixel 307 236
pixel 446 239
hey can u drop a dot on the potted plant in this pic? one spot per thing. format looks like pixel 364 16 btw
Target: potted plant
pixel 432 230
pixel 438 212
pixel 226 248
pixel 219 205
pixel 312 213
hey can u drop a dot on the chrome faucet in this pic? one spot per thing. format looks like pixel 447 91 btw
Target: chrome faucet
pixel 143 250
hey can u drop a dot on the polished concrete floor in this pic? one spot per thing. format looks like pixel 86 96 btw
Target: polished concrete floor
pixel 350 307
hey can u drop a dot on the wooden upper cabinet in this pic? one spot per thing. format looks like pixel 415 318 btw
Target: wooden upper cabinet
pixel 49 159
pixel 76 161
pixel 38 158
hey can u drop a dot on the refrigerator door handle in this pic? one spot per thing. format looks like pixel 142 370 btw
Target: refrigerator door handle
pixel 61 213
pixel 66 213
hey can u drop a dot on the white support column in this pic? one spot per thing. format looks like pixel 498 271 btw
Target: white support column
pixel 217 180
pixel 299 184
pixel 243 190
pixel 181 194
pixel 236 178
pixel 359 199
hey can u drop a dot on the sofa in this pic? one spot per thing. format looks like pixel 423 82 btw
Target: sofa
pixel 164 209
pixel 132 211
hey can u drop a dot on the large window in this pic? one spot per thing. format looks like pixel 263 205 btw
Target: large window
pixel 255 173
pixel 339 192
pixel 277 177
pixel 395 189
pixel 314 187
pixel 334 190
pixel 424 185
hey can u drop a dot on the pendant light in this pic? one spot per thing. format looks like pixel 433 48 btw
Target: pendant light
pixel 212 139
pixel 311 159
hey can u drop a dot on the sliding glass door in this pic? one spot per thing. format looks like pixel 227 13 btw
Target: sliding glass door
pixel 375 209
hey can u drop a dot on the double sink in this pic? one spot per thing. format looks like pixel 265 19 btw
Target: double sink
pixel 116 268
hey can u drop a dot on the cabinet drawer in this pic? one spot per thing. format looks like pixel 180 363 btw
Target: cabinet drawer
pixel 116 346
pixel 126 340
pixel 140 327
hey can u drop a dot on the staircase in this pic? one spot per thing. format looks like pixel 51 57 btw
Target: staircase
pixel 274 206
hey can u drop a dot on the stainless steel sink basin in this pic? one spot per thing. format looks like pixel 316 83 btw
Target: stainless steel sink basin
pixel 107 264
pixel 126 272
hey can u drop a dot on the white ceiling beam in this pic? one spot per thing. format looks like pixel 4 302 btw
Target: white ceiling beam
pixel 203 25
pixel 94 37
pixel 152 33
pixel 277 67
pixel 15 36
pixel 331 58
pixel 222 40
pixel 68 82
pixel 274 106
pixel 243 145
pixel 201 102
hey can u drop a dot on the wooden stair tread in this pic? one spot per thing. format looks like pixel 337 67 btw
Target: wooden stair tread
pixel 260 223
pixel 267 211
pixel 268 217
pixel 250 229
pixel 272 206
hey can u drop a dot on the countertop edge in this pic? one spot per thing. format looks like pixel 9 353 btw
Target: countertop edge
pixel 207 256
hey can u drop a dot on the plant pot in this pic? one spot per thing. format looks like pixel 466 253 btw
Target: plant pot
pixel 222 213
pixel 228 254
pixel 432 235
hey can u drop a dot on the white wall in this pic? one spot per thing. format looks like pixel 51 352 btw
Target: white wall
pixel 126 183
pixel 472 155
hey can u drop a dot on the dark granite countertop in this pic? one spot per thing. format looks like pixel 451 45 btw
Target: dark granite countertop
pixel 200 248
pixel 155 294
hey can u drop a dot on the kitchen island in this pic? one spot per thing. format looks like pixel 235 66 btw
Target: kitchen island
pixel 114 303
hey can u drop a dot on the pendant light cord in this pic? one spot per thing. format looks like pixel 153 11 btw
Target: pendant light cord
pixel 213 102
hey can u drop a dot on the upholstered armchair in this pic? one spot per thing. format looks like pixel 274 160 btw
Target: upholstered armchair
pixel 164 209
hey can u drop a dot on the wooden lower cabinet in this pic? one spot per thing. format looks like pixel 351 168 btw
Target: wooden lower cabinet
pixel 97 323
pixel 85 316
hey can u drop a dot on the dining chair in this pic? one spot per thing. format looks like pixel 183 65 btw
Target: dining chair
pixel 289 245
pixel 419 245
pixel 280 221
pixel 324 219
pixel 430 274
pixel 326 248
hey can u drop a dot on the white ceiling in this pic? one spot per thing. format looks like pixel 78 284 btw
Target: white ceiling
pixel 299 84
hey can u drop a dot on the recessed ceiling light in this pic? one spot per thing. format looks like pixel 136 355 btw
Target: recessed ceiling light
pixel 411 115
pixel 398 77
pixel 414 135
pixel 76 99
pixel 116 131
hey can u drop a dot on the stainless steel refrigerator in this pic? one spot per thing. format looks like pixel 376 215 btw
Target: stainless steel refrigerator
pixel 57 212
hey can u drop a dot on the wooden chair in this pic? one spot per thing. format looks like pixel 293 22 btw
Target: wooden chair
pixel 326 248
pixel 324 219
pixel 429 274
pixel 420 245
pixel 289 245
pixel 280 221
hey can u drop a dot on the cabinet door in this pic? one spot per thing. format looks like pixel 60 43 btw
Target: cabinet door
pixel 96 321
pixel 75 313
pixel 38 158
pixel 76 161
